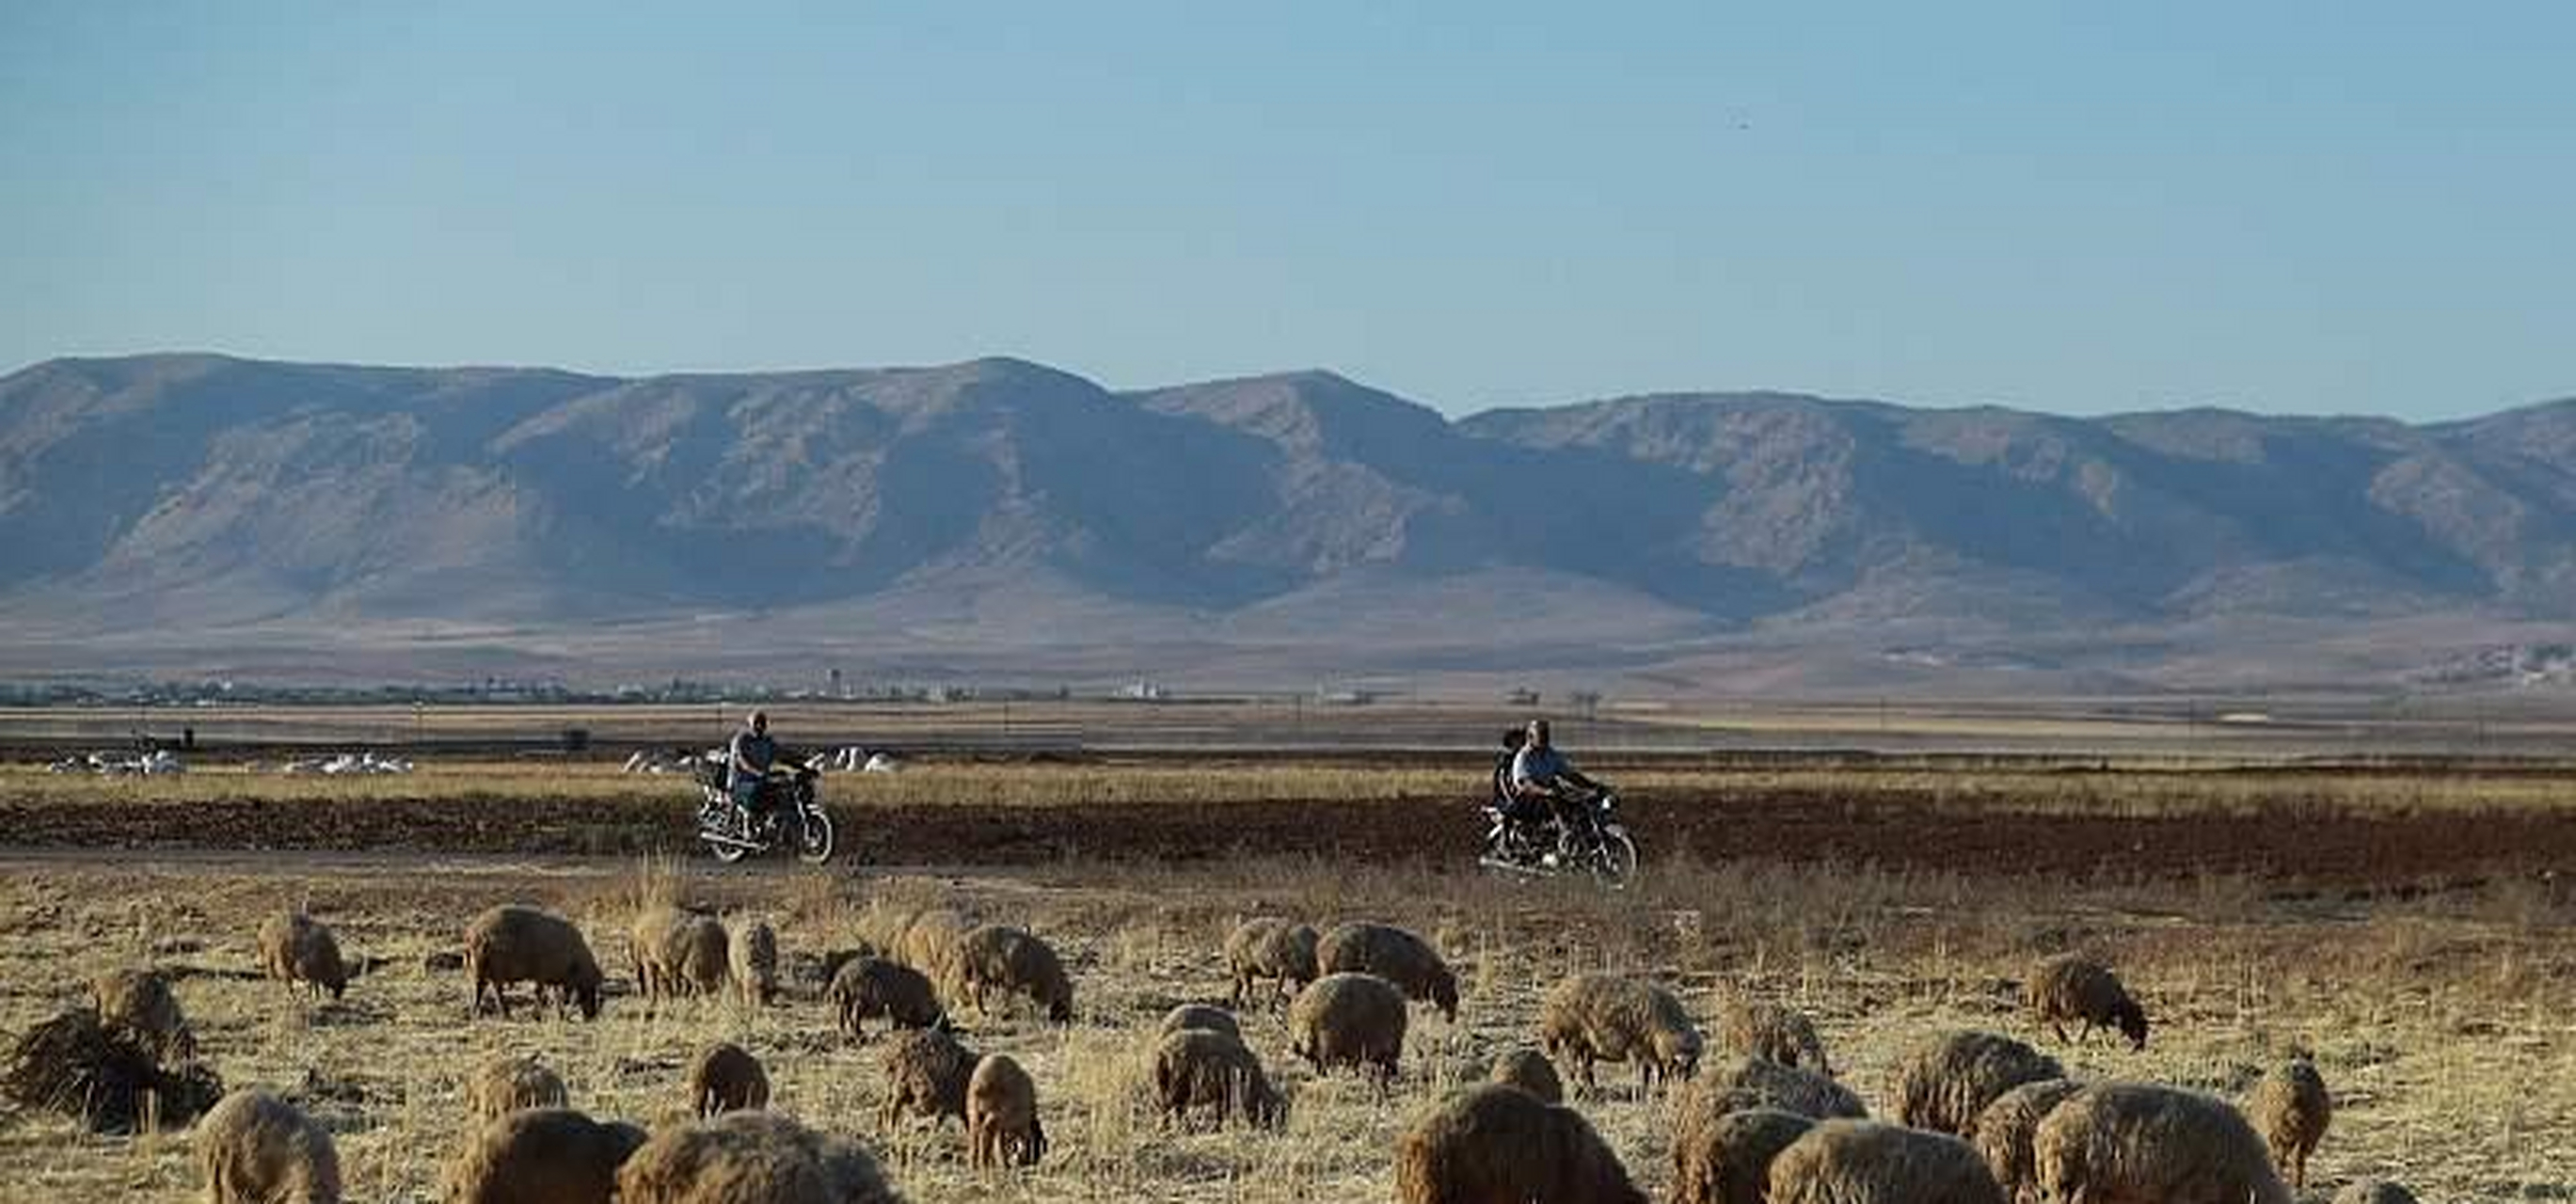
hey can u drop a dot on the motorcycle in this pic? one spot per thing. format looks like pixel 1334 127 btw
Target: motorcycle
pixel 1596 842
pixel 793 817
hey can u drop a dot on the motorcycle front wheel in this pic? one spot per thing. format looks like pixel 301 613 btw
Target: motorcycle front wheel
pixel 814 838
pixel 726 851
pixel 1615 860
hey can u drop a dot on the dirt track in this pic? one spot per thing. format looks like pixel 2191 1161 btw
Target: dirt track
pixel 2348 850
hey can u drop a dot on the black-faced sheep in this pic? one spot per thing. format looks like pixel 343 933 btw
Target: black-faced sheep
pixel 1772 1032
pixel 1002 1115
pixel 258 1149
pixel 2072 987
pixel 751 1158
pixel 511 943
pixel 2292 1108
pixel 503 1084
pixel 298 950
pixel 993 960
pixel 1726 1159
pixel 141 1004
pixel 1948 1078
pixel 1395 955
pixel 1354 1020
pixel 1603 1017
pixel 2005 1130
pixel 726 1078
pixel 1198 1068
pixel 1501 1145
pixel 541 1156
pixel 1529 1070
pixel 1200 1015
pixel 1267 948
pixel 755 964
pixel 868 987
pixel 1763 1083
pixel 1868 1162
pixel 2374 1191
pixel 2138 1143
pixel 926 1072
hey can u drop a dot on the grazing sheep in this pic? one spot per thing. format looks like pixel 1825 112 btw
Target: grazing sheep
pixel 1395 955
pixel 541 1156
pixel 2292 1108
pixel 1349 1020
pixel 726 1078
pixel 511 943
pixel 1772 1032
pixel 1529 1070
pixel 1202 1068
pixel 258 1149
pixel 992 959
pixel 1501 1145
pixel 755 964
pixel 1763 1083
pixel 697 955
pixel 927 1072
pixel 1950 1077
pixel 2071 987
pixel 751 1158
pixel 1726 1159
pixel 648 940
pixel 2005 1129
pixel 872 986
pixel 928 942
pixel 1200 1015
pixel 1870 1162
pixel 2138 1143
pixel 2374 1191
pixel 141 1004
pixel 503 1085
pixel 1269 948
pixel 295 948
pixel 1603 1017
pixel 1002 1115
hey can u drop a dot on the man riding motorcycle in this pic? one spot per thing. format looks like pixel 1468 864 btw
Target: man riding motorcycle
pixel 1541 786
pixel 748 758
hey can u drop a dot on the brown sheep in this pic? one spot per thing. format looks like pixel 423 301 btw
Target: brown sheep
pixel 926 1072
pixel 751 1158
pixel 697 955
pixel 992 960
pixel 755 964
pixel 1773 1033
pixel 511 943
pixel 1002 1115
pixel 2071 987
pixel 502 1085
pixel 1200 1015
pixel 258 1149
pixel 870 986
pixel 1948 1078
pixel 649 938
pixel 928 942
pixel 1869 1162
pixel 1395 955
pixel 726 1078
pixel 1603 1017
pixel 541 1156
pixel 296 949
pixel 1501 1145
pixel 2292 1108
pixel 2137 1143
pixel 1763 1083
pixel 1726 1159
pixel 2005 1130
pixel 1529 1070
pixel 1266 948
pixel 1200 1068
pixel 1349 1020
pixel 2374 1191
pixel 141 1004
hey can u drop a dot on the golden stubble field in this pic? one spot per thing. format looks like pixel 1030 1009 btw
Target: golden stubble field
pixel 2442 1020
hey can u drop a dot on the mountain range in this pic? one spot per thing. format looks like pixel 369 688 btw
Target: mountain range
pixel 200 513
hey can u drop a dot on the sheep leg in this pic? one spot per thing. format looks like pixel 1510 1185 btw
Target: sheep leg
pixel 2059 1027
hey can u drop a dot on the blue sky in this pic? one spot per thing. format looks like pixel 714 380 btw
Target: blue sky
pixel 2345 207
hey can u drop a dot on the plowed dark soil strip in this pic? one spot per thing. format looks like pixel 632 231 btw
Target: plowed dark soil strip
pixel 2350 849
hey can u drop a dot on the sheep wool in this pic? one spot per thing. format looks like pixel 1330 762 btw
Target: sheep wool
pixel 1201 1069
pixel 1267 948
pixel 541 1156
pixel 926 1072
pixel 751 1158
pixel 2005 1129
pixel 255 1148
pixel 2292 1107
pixel 502 1085
pixel 1002 1115
pixel 1726 1159
pixel 755 964
pixel 1870 1162
pixel 726 1078
pixel 297 949
pixel 1947 1080
pixel 1773 1033
pixel 1500 1145
pixel 1395 955
pixel 1603 1017
pixel 141 1004
pixel 512 943
pixel 870 987
pixel 2080 989
pixel 1529 1070
pixel 997 961
pixel 1200 1015
pixel 2139 1143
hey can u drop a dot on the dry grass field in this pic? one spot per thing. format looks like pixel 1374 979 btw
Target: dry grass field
pixel 2435 997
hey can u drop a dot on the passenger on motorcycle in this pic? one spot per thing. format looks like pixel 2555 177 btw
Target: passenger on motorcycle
pixel 747 762
pixel 1542 777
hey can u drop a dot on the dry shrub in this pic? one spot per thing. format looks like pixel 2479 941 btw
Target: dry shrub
pixel 74 1065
